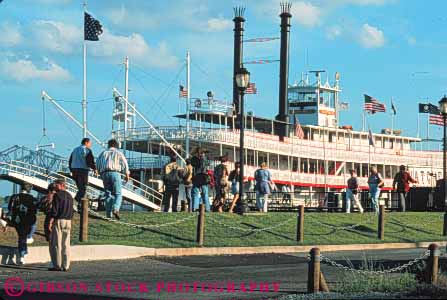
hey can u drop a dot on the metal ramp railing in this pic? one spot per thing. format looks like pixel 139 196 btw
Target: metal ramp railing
pixel 43 166
pixel 140 195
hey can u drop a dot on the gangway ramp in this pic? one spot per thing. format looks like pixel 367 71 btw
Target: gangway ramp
pixel 18 171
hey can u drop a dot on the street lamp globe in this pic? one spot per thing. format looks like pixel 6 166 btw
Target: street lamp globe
pixel 443 105
pixel 242 78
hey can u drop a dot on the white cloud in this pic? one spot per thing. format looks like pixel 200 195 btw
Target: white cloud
pixel 24 70
pixel 136 19
pixel 334 32
pixel 306 13
pixel 116 47
pixel 411 41
pixel 52 2
pixel 361 2
pixel 57 36
pixel 371 37
pixel 219 24
pixel 11 35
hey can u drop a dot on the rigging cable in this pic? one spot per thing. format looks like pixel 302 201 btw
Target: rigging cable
pixel 209 76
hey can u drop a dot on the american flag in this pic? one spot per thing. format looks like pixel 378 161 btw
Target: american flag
pixel 92 28
pixel 437 120
pixel 299 133
pixel 251 89
pixel 372 105
pixel 183 93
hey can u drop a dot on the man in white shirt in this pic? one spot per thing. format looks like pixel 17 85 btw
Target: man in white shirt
pixel 110 164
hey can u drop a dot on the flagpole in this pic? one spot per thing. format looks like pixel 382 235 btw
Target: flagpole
pixel 392 116
pixel 188 100
pixel 84 98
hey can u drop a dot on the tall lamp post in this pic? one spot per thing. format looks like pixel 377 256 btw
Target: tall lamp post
pixel 242 81
pixel 443 109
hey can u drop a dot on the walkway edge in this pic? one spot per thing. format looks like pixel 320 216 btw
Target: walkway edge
pixel 110 252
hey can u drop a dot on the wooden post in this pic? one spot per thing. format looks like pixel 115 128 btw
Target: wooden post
pixel 300 225
pixel 313 277
pixel 201 225
pixel 381 227
pixel 83 234
pixel 444 232
pixel 183 206
pixel 432 264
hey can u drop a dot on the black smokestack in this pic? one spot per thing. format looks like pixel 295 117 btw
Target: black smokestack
pixel 283 130
pixel 238 50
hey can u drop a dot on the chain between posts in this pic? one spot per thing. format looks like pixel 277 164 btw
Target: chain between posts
pixel 142 226
pixel 255 229
pixel 328 261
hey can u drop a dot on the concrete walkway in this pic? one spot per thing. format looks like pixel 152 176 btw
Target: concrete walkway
pixel 284 273
pixel 40 254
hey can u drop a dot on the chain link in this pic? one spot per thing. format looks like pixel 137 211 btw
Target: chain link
pixel 397 269
pixel 142 226
pixel 252 230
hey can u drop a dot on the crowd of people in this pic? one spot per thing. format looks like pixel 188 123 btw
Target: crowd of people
pixel 194 176
pixel 58 204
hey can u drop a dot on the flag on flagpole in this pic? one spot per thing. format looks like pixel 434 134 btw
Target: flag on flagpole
pixel 428 108
pixel 183 92
pixel 92 28
pixel 371 139
pixel 251 89
pixel 436 120
pixel 299 133
pixel 372 105
pixel 343 106
pixel 393 107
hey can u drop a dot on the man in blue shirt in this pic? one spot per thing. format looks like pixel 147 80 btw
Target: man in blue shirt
pixel 80 163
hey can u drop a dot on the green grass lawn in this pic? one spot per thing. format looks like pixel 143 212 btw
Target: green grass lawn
pixel 400 227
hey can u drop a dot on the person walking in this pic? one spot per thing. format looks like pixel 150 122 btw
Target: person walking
pixel 234 179
pixel 80 163
pixel 22 210
pixel 200 180
pixel 401 184
pixel 187 182
pixel 220 183
pixel 45 206
pixel 110 164
pixel 263 179
pixel 352 191
pixel 171 180
pixel 61 214
pixel 375 183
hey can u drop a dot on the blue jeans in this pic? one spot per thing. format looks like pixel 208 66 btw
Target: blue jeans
pixel 32 231
pixel 374 191
pixel 199 194
pixel 188 190
pixel 112 189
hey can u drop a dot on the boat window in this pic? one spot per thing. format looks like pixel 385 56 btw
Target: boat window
pixel 313 166
pixel 304 166
pixel 388 173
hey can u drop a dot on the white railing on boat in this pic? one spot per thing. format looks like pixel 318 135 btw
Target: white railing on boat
pixel 291 146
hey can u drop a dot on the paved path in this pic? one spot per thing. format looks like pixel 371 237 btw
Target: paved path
pixel 289 271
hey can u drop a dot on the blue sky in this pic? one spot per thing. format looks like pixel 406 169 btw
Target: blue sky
pixel 386 48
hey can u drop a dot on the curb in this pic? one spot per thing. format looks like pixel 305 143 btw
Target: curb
pixel 40 254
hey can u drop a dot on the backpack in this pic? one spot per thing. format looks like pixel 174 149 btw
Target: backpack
pixel 23 209
pixel 171 177
pixel 220 173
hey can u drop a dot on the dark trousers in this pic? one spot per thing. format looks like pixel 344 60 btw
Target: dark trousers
pixel 80 176
pixel 166 199
pixel 22 232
